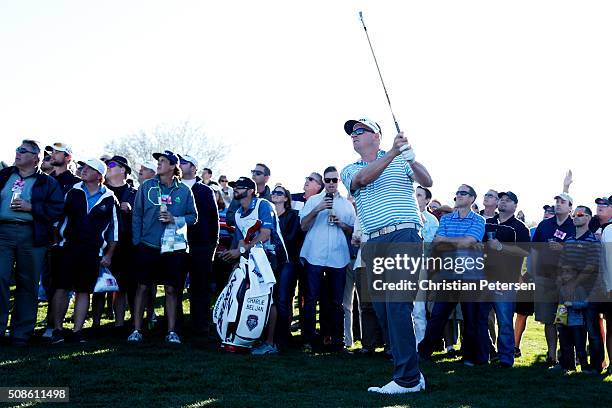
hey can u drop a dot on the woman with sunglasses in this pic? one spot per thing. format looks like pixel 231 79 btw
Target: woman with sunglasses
pixel 289 221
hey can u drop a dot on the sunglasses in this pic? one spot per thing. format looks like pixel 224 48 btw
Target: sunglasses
pixel 313 179
pixel 463 193
pixel 490 195
pixel 22 150
pixel 47 158
pixel 184 162
pixel 580 215
pixel 278 193
pixel 222 181
pixel 331 180
pixel 359 131
pixel 257 172
pixel 111 165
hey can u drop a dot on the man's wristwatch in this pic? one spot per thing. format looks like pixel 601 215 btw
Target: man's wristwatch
pixel 243 250
pixel 499 246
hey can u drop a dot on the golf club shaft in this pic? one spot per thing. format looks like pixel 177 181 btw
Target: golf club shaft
pixel 378 69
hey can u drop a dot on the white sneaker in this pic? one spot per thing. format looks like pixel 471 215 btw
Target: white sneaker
pixel 394 388
pixel 135 337
pixel 172 337
pixel 48 333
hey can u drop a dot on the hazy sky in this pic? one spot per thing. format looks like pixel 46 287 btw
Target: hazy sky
pixel 494 94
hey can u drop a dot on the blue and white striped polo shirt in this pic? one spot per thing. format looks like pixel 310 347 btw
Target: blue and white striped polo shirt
pixel 453 226
pixel 388 200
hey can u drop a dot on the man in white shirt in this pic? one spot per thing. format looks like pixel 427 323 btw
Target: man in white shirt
pixel 328 219
pixel 430 227
pixel 430 222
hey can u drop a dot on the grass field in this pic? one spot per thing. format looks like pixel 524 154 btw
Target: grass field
pixel 107 372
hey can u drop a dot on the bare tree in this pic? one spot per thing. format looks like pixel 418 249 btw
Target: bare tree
pixel 182 138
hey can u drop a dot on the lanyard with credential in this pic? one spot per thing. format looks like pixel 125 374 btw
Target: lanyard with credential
pixel 158 200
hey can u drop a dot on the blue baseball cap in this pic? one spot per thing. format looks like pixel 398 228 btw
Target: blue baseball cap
pixel 172 157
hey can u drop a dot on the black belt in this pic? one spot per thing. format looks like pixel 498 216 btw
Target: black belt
pixel 16 222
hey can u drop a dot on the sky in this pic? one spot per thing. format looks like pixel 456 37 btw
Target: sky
pixel 503 95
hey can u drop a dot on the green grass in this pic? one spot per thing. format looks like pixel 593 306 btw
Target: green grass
pixel 107 372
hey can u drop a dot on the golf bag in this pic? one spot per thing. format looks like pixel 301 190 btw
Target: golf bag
pixel 242 310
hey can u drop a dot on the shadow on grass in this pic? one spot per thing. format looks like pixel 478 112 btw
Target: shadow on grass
pixel 109 372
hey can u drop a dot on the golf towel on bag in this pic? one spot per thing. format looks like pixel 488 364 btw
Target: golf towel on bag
pixel 241 311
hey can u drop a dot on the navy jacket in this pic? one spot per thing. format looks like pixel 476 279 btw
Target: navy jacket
pixel 124 194
pixel 93 229
pixel 47 204
pixel 205 232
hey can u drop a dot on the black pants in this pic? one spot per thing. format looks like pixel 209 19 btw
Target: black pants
pixel 200 273
pixel 570 338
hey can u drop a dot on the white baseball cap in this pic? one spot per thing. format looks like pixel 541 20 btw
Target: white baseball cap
pixel 188 158
pixel 150 164
pixel 565 197
pixel 348 126
pixel 60 147
pixel 96 164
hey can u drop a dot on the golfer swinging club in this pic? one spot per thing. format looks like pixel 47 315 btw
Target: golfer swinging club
pixel 382 184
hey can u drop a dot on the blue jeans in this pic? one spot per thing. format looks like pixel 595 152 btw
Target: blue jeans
pixel 286 289
pixel 331 310
pixel 396 321
pixel 503 304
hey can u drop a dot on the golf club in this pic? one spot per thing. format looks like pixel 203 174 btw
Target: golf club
pixel 379 74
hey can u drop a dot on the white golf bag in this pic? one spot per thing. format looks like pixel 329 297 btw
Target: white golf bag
pixel 241 311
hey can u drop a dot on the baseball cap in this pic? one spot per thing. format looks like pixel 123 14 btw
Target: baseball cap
pixel 565 196
pixel 549 208
pixel 150 164
pixel 105 157
pixel 60 147
pixel 348 126
pixel 189 159
pixel 123 162
pixel 510 195
pixel 96 164
pixel 243 182
pixel 172 157
pixel 603 200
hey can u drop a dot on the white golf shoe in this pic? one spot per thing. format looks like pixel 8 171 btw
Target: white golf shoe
pixel 394 388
